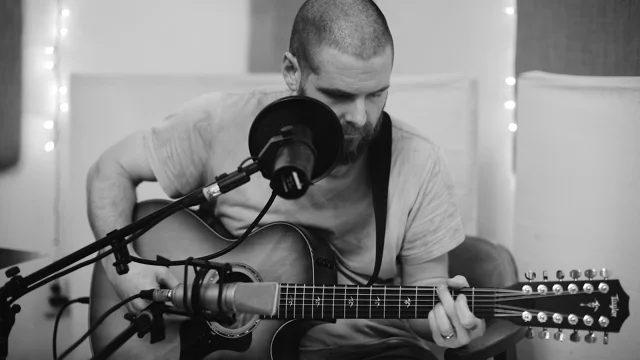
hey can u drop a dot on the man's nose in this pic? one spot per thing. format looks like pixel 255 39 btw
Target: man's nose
pixel 357 113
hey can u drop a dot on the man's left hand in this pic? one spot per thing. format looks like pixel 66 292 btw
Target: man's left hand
pixel 452 323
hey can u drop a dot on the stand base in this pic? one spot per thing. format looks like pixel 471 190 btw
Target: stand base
pixel 149 320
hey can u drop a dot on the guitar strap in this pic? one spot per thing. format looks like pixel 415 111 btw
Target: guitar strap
pixel 379 167
pixel 379 170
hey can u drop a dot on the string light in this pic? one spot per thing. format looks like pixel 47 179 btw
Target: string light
pixel 510 81
pixel 59 91
pixel 49 146
pixel 53 63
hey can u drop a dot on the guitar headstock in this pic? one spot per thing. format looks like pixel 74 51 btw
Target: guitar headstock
pixel 593 304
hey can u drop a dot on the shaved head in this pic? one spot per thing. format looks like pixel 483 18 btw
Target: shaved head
pixel 353 27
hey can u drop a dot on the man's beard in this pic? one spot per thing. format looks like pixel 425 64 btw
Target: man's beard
pixel 357 139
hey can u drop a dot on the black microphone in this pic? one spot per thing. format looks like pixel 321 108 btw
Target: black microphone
pixel 297 141
pixel 238 297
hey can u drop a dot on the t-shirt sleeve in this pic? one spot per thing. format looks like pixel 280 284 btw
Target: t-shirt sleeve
pixel 434 225
pixel 178 148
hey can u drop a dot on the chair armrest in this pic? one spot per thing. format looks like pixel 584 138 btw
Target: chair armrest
pixel 499 336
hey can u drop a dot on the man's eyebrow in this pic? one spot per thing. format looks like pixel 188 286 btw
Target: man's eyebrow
pixel 342 93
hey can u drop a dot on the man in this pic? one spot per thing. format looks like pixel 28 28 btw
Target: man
pixel 341 53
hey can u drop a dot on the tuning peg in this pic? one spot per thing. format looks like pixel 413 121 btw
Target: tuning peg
pixel 575 337
pixel 529 333
pixel 605 273
pixel 530 275
pixel 544 334
pixel 545 276
pixel 590 338
pixel 575 274
pixel 590 273
pixel 560 275
pixel 605 338
pixel 559 336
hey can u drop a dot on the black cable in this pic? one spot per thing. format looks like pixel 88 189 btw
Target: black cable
pixel 219 253
pixel 83 300
pixel 95 325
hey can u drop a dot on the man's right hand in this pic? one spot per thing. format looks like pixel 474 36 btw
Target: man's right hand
pixel 140 277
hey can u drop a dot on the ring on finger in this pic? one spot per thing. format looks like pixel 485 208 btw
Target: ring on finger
pixel 447 337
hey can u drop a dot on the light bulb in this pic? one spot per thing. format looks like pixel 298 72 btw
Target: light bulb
pixel 49 50
pixel 513 127
pixel 48 124
pixel 49 65
pixel 64 107
pixel 510 105
pixel 62 90
pixel 65 12
pixel 49 146
pixel 510 81
pixel 510 10
pixel 64 31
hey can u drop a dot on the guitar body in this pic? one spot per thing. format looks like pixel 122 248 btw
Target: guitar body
pixel 279 252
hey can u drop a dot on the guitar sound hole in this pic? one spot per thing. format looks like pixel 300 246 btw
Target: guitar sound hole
pixel 241 324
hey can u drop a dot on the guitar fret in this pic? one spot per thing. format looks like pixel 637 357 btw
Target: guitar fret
pixel 286 303
pixel 280 303
pixel 322 301
pixel 399 301
pixel 473 300
pixel 415 305
pixel 370 300
pixel 357 300
pixel 433 298
pixel 333 303
pixel 384 304
pixel 345 302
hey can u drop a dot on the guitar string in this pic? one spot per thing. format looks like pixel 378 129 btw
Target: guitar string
pixel 515 294
pixel 382 287
pixel 407 289
pixel 514 308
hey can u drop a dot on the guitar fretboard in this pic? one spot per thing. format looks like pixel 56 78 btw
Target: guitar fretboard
pixel 370 302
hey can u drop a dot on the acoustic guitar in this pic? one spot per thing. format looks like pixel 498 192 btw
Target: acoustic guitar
pixel 308 295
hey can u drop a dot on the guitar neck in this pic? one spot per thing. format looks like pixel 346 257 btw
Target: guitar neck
pixel 372 302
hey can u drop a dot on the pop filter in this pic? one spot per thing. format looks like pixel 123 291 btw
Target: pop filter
pixel 297 141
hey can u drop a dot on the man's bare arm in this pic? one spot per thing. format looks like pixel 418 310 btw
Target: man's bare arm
pixel 111 188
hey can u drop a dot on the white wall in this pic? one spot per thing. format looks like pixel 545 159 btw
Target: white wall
pixel 210 37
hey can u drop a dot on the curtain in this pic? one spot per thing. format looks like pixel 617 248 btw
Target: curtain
pixel 10 81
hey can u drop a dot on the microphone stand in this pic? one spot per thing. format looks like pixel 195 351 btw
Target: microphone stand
pixel 149 320
pixel 17 286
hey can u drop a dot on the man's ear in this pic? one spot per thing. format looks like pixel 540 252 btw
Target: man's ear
pixel 291 71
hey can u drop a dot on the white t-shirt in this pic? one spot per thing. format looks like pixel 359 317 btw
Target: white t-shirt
pixel 209 136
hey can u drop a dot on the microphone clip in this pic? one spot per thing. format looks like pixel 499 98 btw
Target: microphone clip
pixel 122 255
pixel 155 326
pixel 224 271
